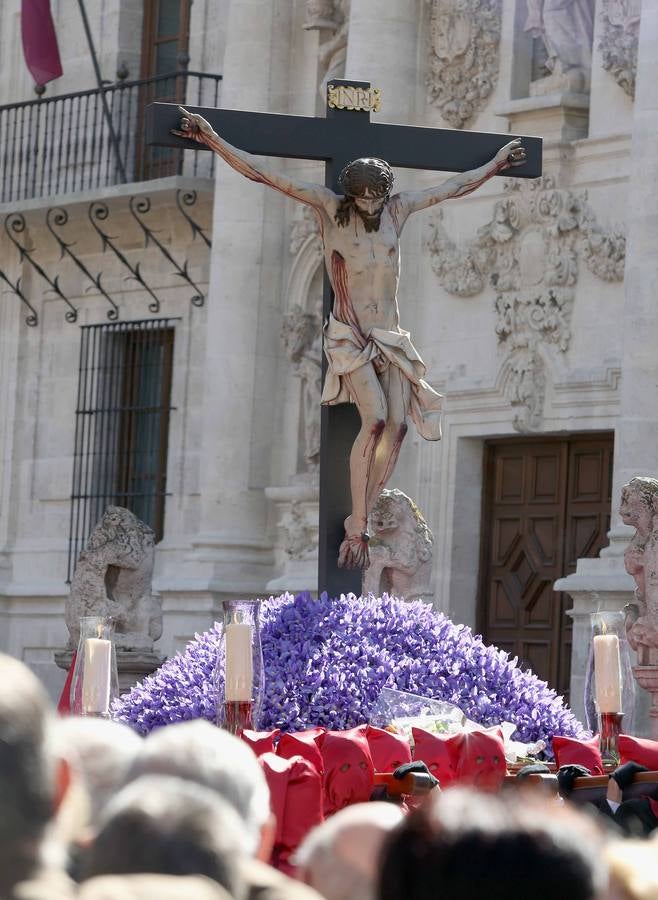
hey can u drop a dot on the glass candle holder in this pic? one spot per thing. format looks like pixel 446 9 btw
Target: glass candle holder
pixel 609 683
pixel 95 682
pixel 239 673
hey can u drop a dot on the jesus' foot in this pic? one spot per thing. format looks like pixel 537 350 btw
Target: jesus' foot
pixel 353 552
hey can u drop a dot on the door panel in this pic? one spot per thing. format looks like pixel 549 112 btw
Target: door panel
pixel 547 503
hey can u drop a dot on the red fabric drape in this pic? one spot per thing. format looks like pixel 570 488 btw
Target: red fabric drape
pixel 64 705
pixel 40 41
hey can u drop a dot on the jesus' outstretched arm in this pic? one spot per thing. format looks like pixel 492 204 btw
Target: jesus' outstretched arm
pixel 198 129
pixel 512 154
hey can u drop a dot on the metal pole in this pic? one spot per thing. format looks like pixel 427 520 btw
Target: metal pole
pixel 99 80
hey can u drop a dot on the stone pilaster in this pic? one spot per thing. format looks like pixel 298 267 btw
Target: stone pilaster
pixel 231 554
pixel 603 583
pixel 382 49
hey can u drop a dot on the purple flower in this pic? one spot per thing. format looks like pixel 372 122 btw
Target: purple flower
pixel 326 662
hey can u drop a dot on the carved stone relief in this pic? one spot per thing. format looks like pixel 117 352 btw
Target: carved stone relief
pixel 301 331
pixel 301 335
pixel 529 252
pixel 619 39
pixel 331 18
pixel 299 524
pixel 463 59
pixel 305 226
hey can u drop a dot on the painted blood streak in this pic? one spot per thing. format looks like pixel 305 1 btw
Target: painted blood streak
pixel 343 307
pixel 474 185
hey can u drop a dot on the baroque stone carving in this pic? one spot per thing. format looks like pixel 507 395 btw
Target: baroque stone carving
pixel 332 19
pixel 463 63
pixel 400 548
pixel 302 338
pixel 113 578
pixel 566 28
pixel 639 508
pixel 300 527
pixel 306 225
pixel 529 253
pixel 619 40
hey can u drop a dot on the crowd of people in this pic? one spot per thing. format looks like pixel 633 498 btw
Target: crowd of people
pixel 90 810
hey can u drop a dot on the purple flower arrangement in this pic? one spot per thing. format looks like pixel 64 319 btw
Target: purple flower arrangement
pixel 327 660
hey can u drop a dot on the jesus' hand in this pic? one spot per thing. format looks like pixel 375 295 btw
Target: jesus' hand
pixel 193 126
pixel 512 154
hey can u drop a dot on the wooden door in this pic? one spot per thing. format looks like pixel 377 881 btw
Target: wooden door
pixel 546 504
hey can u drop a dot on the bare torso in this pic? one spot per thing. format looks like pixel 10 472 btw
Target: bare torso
pixel 371 267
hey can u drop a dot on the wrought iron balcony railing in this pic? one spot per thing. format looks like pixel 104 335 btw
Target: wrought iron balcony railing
pixel 62 145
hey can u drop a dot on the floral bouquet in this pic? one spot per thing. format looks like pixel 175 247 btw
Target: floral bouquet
pixel 327 660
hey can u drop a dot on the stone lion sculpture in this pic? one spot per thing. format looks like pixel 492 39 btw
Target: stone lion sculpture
pixel 113 578
pixel 400 548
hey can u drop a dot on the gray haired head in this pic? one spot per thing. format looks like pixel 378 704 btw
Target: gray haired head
pixel 170 826
pixel 102 751
pixel 197 751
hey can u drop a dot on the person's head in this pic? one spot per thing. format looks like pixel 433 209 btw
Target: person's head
pixel 32 781
pixel 199 752
pixel 340 858
pixel 639 502
pixel 633 869
pixel 151 887
pixel 102 752
pixel 169 826
pixel 464 845
pixel 367 184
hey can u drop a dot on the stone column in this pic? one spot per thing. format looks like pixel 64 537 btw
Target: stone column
pixel 603 583
pixel 382 50
pixel 231 554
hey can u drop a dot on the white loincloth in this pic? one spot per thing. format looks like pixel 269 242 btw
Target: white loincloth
pixel 345 355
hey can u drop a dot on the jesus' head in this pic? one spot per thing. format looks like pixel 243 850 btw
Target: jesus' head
pixel 367 183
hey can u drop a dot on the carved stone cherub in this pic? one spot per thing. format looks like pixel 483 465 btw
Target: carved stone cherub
pixel 113 578
pixel 400 549
pixel 639 508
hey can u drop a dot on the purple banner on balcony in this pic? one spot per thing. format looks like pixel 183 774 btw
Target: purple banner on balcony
pixel 40 41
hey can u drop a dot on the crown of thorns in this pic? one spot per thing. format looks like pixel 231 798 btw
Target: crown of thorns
pixel 365 174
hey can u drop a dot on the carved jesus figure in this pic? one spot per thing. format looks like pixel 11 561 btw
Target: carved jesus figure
pixel 371 359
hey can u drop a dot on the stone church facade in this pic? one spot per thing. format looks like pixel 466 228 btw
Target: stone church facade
pixel 174 365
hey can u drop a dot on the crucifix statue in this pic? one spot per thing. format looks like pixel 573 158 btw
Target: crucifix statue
pixel 370 358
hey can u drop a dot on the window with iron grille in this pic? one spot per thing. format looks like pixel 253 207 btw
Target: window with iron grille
pixel 122 424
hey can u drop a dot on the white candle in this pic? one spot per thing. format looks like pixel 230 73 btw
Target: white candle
pixel 239 664
pixel 607 673
pixel 96 676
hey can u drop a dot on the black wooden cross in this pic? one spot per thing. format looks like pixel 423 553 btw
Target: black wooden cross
pixel 340 137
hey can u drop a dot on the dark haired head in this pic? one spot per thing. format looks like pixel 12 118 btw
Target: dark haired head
pixel 367 175
pixel 462 845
